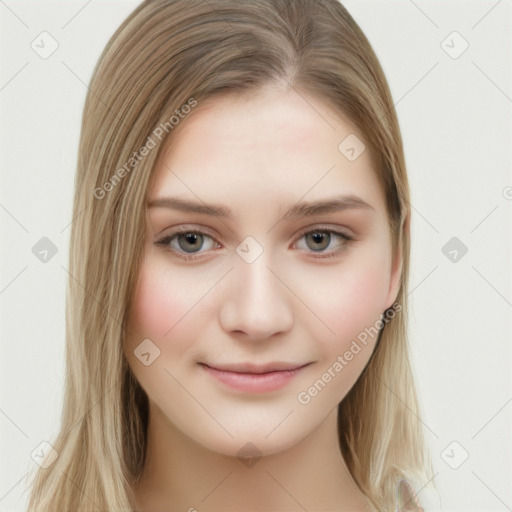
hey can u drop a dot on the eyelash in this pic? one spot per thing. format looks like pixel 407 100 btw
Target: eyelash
pixel 164 242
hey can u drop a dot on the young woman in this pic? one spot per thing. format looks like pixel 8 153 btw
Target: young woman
pixel 237 306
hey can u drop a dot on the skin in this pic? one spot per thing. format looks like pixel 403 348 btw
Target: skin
pixel 257 155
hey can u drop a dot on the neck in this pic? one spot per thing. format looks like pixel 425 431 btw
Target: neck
pixel 180 474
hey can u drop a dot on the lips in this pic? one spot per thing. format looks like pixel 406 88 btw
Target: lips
pixel 249 368
pixel 251 378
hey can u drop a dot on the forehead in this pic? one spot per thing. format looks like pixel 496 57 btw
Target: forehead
pixel 275 145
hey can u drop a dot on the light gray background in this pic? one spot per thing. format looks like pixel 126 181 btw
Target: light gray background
pixel 455 116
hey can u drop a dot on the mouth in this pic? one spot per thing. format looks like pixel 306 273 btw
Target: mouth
pixel 256 369
pixel 252 378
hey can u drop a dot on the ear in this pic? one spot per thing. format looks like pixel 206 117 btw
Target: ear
pixel 397 263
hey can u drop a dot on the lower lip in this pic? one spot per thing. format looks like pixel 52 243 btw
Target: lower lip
pixel 254 382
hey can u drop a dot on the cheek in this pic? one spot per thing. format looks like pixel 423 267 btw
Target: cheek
pixel 349 300
pixel 354 297
pixel 157 304
pixel 350 305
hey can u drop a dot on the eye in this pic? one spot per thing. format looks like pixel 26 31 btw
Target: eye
pixel 318 240
pixel 187 243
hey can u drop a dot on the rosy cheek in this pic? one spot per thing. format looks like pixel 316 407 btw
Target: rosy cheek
pixel 355 301
pixel 157 307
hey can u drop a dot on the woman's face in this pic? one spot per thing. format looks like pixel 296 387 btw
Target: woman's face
pixel 268 275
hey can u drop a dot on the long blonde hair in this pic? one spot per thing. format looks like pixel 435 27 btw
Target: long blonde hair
pixel 166 57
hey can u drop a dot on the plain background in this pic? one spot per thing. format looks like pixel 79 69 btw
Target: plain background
pixel 455 116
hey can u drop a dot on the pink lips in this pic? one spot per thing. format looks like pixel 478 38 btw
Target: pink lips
pixel 255 379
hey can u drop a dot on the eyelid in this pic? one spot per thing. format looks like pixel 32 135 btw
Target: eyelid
pixel 184 228
pixel 326 227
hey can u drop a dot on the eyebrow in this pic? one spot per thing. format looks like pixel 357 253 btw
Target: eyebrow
pixel 299 210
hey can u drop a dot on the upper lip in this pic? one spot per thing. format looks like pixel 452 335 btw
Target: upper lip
pixel 254 368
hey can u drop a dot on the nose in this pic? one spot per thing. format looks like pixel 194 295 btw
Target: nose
pixel 256 301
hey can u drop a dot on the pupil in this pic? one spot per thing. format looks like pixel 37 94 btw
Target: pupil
pixel 191 238
pixel 319 237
